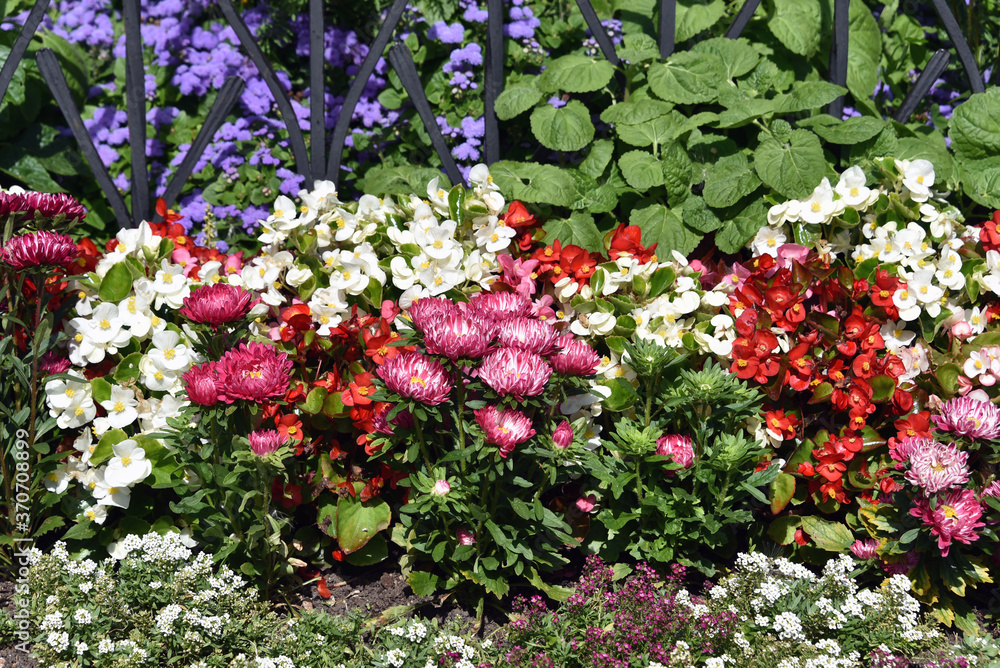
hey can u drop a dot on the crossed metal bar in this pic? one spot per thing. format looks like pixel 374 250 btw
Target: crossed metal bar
pixel 309 161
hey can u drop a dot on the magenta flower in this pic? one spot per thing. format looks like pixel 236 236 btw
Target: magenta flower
pixel 518 274
pixel 202 384
pixel 562 437
pixel 905 564
pixel 993 489
pixel 51 205
pixel 424 309
pixel 39 249
pixel 253 372
pixel 53 362
pixel 504 429
pixel 865 549
pixel 454 335
pixel 955 518
pixel 901 453
pixel 534 336
pixel 518 373
pixel 501 305
pixel 680 448
pixel 465 537
pixel 265 441
pixel 969 417
pixel 217 304
pixel 441 488
pixel 575 358
pixel 936 467
pixel 415 376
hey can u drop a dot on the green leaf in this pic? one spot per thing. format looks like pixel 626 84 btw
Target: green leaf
pixel 745 112
pixel 533 183
pixel 516 100
pixel 975 127
pixel 807 95
pixel 641 170
pixel 374 551
pixel 422 583
pixel 852 131
pixel 797 24
pixel 634 113
pixel 637 48
pixel 795 168
pixel 623 395
pixel 687 78
pixel 578 229
pixel 676 171
pixel 565 129
pixel 128 369
pixel 981 180
pixel 576 74
pixel 358 522
pixel 101 389
pixel 663 226
pixel 830 536
pixel 698 216
pixel 781 492
pixel 782 529
pixel 658 131
pixel 27 168
pixel 931 147
pixel 865 52
pixel 694 16
pixel 737 55
pixel 116 284
pixel 883 388
pixel 598 158
pixel 736 232
pixel 729 180
pixel 314 400
pixel 104 450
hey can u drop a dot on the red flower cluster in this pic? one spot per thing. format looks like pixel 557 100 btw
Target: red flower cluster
pixel 558 262
pixel 523 222
pixel 628 239
pixel 989 235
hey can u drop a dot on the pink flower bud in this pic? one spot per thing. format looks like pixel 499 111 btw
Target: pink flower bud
pixel 562 437
pixel 961 330
pixel 681 448
pixel 441 488
pixel 586 503
pixel 465 537
pixel 265 441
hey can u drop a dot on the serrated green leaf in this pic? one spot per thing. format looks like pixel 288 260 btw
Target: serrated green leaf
pixel 576 74
pixel 676 171
pixel 729 180
pixel 807 95
pixel 865 52
pixel 664 226
pixel 641 170
pixel 533 183
pixel 578 229
pixel 566 129
pixel 793 169
pixel 737 55
pixel 633 113
pixel 797 25
pixel 745 112
pixel 516 100
pixel 658 131
pixel 687 78
pixel 852 131
pixel 698 216
pixel 694 16
pixel 598 157
pixel 737 231
pixel 975 127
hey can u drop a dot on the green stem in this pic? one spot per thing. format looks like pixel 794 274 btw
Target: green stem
pixel 265 507
pixel 722 494
pixel 423 446
pixel 39 289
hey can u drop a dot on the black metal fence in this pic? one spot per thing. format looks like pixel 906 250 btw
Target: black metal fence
pixel 311 165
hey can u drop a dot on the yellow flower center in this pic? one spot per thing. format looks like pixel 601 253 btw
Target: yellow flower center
pixel 169 353
pixel 104 324
pixel 70 391
pixel 495 237
pixel 920 180
pixel 168 279
pixel 119 407
pixel 438 243
pixel 815 207
pixel 419 380
pixel 854 192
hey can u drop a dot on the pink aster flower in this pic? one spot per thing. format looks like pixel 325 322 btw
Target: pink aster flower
pixel 993 489
pixel 903 566
pixel 905 448
pixel 202 384
pixel 465 537
pixel 514 372
pixel 936 467
pixel 680 448
pixel 415 376
pixel 53 362
pixel 501 305
pixel 970 417
pixel 50 205
pixel 39 249
pixel 535 336
pixel 454 335
pixel 265 441
pixel 217 304
pixel 254 372
pixel 504 429
pixel 562 437
pixel 575 357
pixel 865 549
pixel 403 419
pixel 425 308
pixel 955 517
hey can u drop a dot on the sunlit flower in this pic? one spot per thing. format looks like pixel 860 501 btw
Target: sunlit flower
pixel 202 386
pixel 534 336
pixel 970 417
pixel 39 249
pixel 265 441
pixel 128 466
pixel 955 517
pixel 865 549
pixel 501 305
pixel 217 304
pixel 454 335
pixel 935 467
pixel 562 436
pixel 510 371
pixel 679 448
pixel 505 429
pixel 425 308
pixel 575 358
pixel 253 372
pixel 415 376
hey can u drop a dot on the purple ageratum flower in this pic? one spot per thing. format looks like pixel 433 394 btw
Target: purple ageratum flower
pixel 447 34
pixel 557 102
pixel 473 12
pixel 936 467
pixel 967 416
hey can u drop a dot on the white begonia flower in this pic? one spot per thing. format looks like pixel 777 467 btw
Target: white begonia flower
pixel 437 240
pixel 128 466
pixel 852 189
pixel 686 302
pixel 896 336
pixel 86 299
pixel 786 212
pixel 905 300
pixel 923 287
pixel 768 240
pixel 402 275
pixel 298 275
pixel 96 514
pixel 121 407
pixel 84 444
pixel 978 362
pixel 284 214
pixel 61 394
pixel 57 480
pixel 820 206
pixel 437 196
pixel 135 314
pixel 566 288
pixel 915 360
pixel 977 319
pixel 155 418
pixel 156 378
pixel 494 236
pixel 597 323
pixel 168 353
pixel 412 294
pixel 918 177
pixel 170 285
pixel 105 325
pixel 92 479
pixel 715 299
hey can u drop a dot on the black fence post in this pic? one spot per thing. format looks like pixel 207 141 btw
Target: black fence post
pixel 742 19
pixel 317 90
pixel 838 52
pixel 493 79
pixel 961 46
pixel 938 63
pixel 668 27
pixel 135 106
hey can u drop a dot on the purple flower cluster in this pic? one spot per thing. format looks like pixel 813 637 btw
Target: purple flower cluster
pixel 613 27
pixel 460 65
pixel 469 132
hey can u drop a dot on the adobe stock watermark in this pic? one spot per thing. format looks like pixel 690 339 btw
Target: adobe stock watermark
pixel 22 522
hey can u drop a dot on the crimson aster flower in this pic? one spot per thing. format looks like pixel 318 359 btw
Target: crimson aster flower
pixel 955 517
pixel 970 417
pixel 51 205
pixel 415 376
pixel 454 335
pixel 253 372
pixel 501 305
pixel 680 448
pixel 426 308
pixel 535 336
pixel 575 358
pixel 865 549
pixel 39 249
pixel 510 371
pixel 217 304
pixel 504 429
pixel 201 382
pixel 265 441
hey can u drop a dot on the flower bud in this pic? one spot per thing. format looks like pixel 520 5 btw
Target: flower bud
pixel 465 537
pixel 441 488
pixel 562 437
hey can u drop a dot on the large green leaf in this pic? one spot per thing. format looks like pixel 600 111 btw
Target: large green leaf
pixel 981 180
pixel 534 183
pixel 737 55
pixel 687 78
pixel 852 131
pixel 676 171
pixel 633 113
pixel 578 229
pixel 796 24
pixel 116 284
pixel 516 100
pixel 576 74
pixel 746 111
pixel 794 168
pixel 729 180
pixel 598 157
pixel 654 132
pixel 741 228
pixel 830 536
pixel 694 16
pixel 864 53
pixel 641 170
pixel 807 95
pixel 698 216
pixel 975 127
pixel 359 521
pixel 566 129
pixel 664 226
